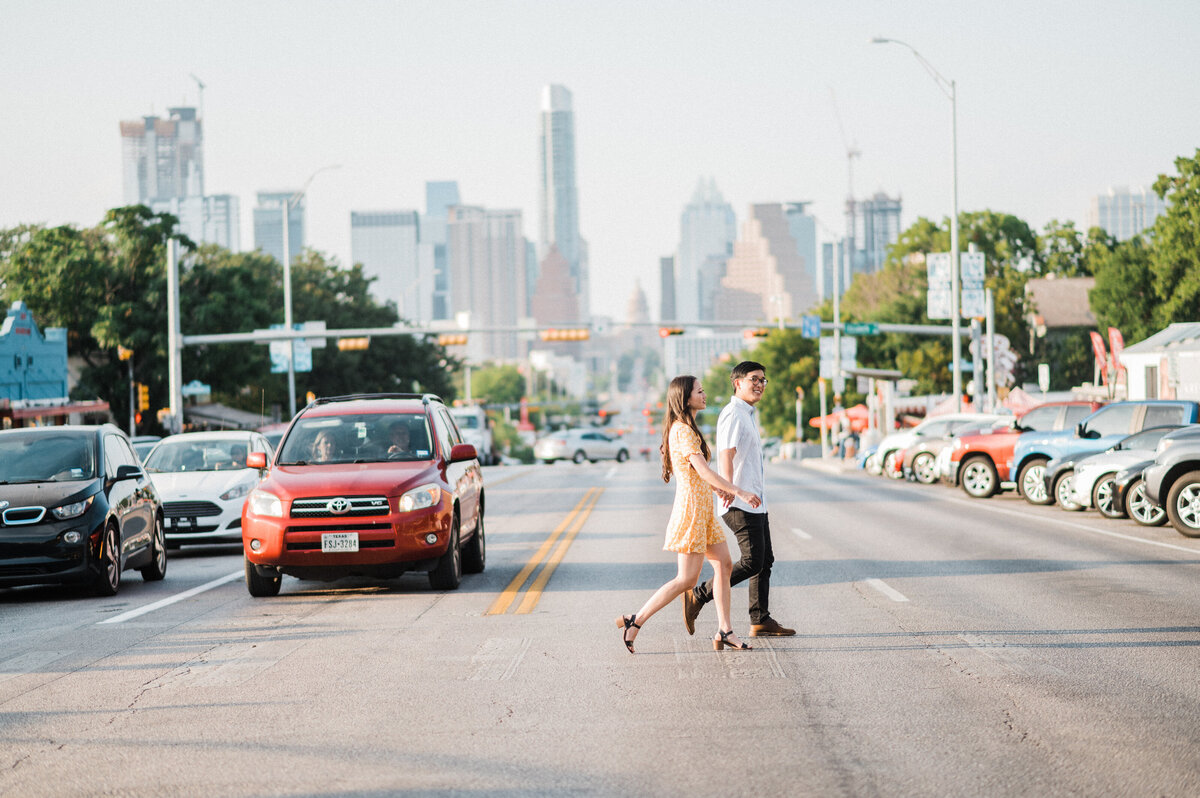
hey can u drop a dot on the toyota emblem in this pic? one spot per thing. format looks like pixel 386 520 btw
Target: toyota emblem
pixel 338 506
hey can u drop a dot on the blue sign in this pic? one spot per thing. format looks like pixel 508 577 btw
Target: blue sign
pixel 810 326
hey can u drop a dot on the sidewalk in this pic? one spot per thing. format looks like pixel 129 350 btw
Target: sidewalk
pixel 812 459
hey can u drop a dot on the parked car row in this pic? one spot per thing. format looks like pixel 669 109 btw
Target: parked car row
pixel 1136 459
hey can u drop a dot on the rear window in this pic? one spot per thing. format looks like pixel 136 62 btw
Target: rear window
pixel 357 438
pixel 1158 415
pixel 1041 419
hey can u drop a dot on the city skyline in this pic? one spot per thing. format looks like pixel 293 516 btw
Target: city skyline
pixel 1055 105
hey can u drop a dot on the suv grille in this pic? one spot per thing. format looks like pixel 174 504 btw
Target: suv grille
pixel 340 507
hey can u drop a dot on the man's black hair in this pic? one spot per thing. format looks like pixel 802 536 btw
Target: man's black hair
pixel 746 367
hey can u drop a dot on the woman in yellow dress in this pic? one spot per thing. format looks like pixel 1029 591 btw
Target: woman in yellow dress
pixel 693 532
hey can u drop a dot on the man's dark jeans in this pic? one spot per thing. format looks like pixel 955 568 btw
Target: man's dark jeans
pixel 753 533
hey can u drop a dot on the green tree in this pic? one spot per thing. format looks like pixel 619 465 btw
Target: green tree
pixel 1124 294
pixel 1175 256
pixel 498 384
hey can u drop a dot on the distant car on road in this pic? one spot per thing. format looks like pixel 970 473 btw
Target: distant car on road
pixel 345 498
pixel 203 480
pixel 580 446
pixel 76 506
pixel 476 430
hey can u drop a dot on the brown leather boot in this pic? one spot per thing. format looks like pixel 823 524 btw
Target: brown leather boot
pixel 691 608
pixel 770 628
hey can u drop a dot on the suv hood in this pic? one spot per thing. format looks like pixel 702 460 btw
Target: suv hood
pixel 47 494
pixel 355 479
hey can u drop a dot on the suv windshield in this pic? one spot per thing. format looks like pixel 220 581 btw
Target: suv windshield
pixel 358 438
pixel 46 457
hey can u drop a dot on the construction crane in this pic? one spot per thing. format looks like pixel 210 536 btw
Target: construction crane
pixel 852 150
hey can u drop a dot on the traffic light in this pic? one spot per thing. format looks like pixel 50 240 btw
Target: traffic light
pixel 565 334
pixel 666 332
pixel 143 396
pixel 452 339
pixel 353 344
pixel 757 332
pixel 123 353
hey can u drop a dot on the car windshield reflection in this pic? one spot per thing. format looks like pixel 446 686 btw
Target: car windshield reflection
pixel 363 438
pixel 171 457
pixel 46 458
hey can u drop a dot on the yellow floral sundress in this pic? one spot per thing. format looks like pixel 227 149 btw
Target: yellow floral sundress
pixel 693 526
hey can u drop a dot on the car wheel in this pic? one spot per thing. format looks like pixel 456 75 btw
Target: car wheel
pixel 1032 482
pixel 1064 483
pixel 889 466
pixel 261 586
pixel 107 579
pixel 546 461
pixel 474 556
pixel 1183 504
pixel 979 478
pixel 157 568
pixel 447 574
pixel 579 457
pixel 923 468
pixel 1103 499
pixel 622 456
pixel 1140 508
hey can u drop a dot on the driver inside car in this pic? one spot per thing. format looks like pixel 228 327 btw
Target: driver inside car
pixel 398 438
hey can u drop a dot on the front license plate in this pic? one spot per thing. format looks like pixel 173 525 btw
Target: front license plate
pixel 339 541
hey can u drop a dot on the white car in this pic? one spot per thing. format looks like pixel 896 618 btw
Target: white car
pixel 476 430
pixel 578 446
pixel 1092 482
pixel 203 480
pixel 936 427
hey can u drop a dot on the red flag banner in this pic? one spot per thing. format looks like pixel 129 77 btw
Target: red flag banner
pixel 1116 345
pixel 1101 355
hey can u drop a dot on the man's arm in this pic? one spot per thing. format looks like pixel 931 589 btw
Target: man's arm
pixel 725 463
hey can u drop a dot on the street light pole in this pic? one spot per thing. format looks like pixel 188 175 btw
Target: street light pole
pixel 948 88
pixel 289 203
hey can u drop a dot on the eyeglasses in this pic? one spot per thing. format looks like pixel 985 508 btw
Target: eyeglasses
pixel 756 380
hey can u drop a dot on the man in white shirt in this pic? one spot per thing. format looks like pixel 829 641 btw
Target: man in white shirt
pixel 740 460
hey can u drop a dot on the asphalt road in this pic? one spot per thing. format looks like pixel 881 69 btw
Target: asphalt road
pixel 945 646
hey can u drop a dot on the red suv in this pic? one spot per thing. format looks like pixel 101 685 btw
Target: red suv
pixel 980 462
pixel 366 485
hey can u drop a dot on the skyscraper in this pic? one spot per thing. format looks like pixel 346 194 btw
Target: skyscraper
pixel 766 277
pixel 440 196
pixel 803 227
pixel 163 159
pixel 872 225
pixel 707 228
pixel 268 224
pixel 558 195
pixel 485 256
pixel 666 286
pixel 1124 212
pixel 387 244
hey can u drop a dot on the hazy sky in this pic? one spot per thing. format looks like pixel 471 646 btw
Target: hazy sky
pixel 1056 102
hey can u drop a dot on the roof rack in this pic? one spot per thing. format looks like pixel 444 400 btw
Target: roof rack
pixel 426 398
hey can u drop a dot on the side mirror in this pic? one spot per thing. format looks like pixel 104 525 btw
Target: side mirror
pixel 256 460
pixel 461 452
pixel 127 472
pixel 1080 430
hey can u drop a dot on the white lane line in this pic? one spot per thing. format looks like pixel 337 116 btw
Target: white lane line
pixel 125 616
pixel 1082 527
pixel 800 533
pixel 612 472
pixel 887 590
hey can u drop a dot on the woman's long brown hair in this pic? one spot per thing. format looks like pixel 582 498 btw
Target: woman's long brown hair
pixel 677 410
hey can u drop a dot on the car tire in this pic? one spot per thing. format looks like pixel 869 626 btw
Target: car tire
pixel 107 579
pixel 157 568
pixel 579 457
pixel 922 469
pixel 979 478
pixel 261 586
pixel 622 456
pixel 447 574
pixel 1183 504
pixel 474 556
pixel 1031 482
pixel 1139 507
pixel 889 466
pixel 546 461
pixel 1103 498
pixel 1062 492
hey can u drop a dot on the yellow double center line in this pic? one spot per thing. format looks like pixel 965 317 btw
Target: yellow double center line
pixel 572 524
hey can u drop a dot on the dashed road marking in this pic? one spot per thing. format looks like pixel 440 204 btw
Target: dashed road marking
pixel 886 589
pixel 125 616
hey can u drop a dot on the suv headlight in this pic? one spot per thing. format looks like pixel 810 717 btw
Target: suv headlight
pixel 265 503
pixel 237 491
pixel 420 498
pixel 72 510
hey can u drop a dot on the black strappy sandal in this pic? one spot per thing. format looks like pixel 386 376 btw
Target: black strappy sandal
pixel 623 623
pixel 722 641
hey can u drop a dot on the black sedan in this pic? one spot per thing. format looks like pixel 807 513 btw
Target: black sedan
pixel 76 507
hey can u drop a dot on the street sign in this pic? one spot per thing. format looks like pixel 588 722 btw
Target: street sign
pixel 849 355
pixel 971 267
pixel 861 328
pixel 810 326
pixel 938 271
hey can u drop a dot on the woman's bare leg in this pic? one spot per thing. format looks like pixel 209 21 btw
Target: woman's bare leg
pixel 685 579
pixel 718 555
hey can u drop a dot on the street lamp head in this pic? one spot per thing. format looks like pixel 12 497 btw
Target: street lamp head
pixel 880 40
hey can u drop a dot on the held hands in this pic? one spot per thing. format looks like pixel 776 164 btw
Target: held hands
pixel 749 498
pixel 727 498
